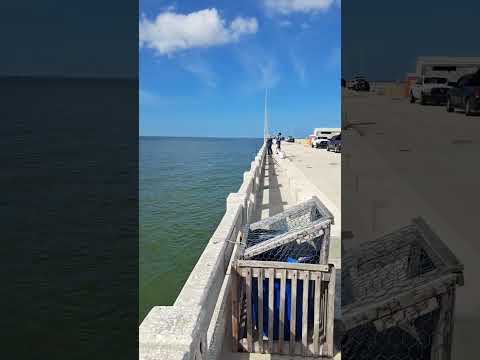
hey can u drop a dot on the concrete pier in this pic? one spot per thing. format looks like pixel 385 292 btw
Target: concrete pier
pixel 198 325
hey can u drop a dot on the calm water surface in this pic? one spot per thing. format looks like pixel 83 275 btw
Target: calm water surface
pixel 183 187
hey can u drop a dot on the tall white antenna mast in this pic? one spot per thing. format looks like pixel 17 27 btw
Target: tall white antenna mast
pixel 265 120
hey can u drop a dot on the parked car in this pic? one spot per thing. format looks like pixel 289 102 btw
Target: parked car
pixel 430 89
pixel 320 142
pixel 360 85
pixel 290 139
pixel 465 94
pixel 335 143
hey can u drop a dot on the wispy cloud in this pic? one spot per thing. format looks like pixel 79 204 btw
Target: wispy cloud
pixel 170 32
pixel 259 66
pixel 299 67
pixel 285 23
pixel 147 97
pixel 305 6
pixel 200 69
pixel 269 74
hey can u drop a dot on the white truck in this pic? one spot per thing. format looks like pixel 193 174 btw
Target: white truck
pixel 430 89
pixel 322 136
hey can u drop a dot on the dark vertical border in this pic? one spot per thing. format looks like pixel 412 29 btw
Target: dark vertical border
pixel 69 180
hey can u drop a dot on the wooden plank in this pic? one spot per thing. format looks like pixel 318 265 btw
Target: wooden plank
pixel 235 307
pixel 434 244
pixel 316 320
pixel 260 310
pixel 270 309
pixel 282 265
pixel 325 246
pixel 330 314
pixel 281 316
pixel 306 281
pixel 354 315
pixel 293 310
pixel 249 309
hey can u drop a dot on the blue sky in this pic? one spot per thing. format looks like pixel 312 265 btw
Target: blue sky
pixel 204 67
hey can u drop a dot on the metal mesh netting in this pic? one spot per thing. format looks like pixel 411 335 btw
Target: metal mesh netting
pixel 306 252
pixel 395 292
pixel 380 267
pixel 366 343
pixel 295 235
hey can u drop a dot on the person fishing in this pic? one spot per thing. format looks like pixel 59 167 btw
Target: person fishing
pixel 279 140
pixel 269 145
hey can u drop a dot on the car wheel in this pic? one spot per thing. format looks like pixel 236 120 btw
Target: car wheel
pixel 468 110
pixel 449 105
pixel 412 99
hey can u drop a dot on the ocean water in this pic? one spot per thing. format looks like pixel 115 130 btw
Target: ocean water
pixel 183 187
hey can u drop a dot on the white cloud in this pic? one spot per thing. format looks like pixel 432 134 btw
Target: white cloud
pixel 170 32
pixel 305 6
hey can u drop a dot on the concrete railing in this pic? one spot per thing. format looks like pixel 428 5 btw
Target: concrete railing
pixel 192 327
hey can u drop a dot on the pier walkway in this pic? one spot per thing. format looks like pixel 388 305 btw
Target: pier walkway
pixel 302 174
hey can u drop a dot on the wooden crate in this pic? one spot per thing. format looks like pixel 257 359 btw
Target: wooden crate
pixel 308 331
pixel 398 296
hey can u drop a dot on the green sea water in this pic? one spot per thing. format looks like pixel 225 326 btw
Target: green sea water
pixel 183 187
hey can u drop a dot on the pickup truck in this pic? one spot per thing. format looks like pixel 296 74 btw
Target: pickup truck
pixel 320 142
pixel 430 89
pixel 465 94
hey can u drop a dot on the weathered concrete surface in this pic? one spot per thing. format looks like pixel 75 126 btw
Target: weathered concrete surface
pixel 323 170
pixel 433 149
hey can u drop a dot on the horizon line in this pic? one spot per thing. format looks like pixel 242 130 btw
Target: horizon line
pixel 199 137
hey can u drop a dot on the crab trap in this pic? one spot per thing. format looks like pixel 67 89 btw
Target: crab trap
pixel 299 234
pixel 283 288
pixel 398 296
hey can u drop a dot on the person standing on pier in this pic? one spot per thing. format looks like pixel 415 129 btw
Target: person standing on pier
pixel 269 145
pixel 279 140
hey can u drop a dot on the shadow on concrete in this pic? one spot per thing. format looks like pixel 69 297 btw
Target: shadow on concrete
pixel 275 204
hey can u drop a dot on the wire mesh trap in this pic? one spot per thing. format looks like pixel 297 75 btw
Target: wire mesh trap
pixel 299 234
pixel 398 296
pixel 283 292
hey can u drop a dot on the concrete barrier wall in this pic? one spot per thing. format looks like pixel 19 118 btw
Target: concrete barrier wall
pixel 189 328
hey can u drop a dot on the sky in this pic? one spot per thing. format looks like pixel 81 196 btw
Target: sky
pixel 204 67
pixel 382 39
